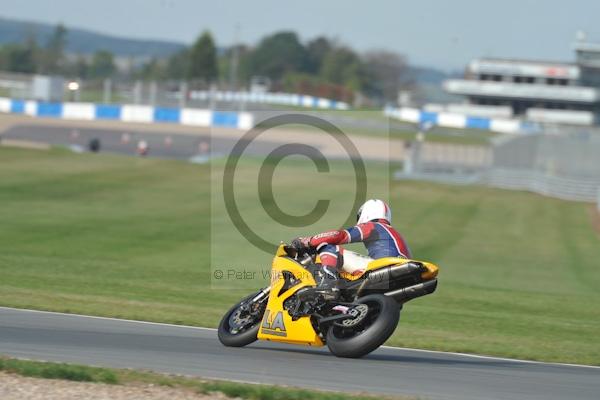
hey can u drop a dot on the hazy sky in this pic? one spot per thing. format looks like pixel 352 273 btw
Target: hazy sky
pixel 440 33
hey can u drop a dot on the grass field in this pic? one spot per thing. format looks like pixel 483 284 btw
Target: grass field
pixel 124 237
pixel 435 135
pixel 234 390
pixel 389 127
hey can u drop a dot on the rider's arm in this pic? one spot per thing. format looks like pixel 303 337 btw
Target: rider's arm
pixel 357 233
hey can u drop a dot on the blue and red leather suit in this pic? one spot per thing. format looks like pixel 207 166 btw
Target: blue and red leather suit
pixel 378 236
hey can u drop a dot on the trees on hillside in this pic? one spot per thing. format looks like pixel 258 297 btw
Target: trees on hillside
pixel 52 58
pixel 320 66
pixel 202 63
pixel 19 58
pixel 386 73
pixel 316 50
pixel 80 68
pixel 277 55
pixel 178 65
pixel 326 68
pixel 103 65
pixel 343 66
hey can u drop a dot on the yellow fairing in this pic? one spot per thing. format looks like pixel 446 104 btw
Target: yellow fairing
pixel 277 325
pixel 432 271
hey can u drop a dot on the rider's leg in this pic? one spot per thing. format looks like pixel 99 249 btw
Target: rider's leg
pixel 354 263
pixel 331 259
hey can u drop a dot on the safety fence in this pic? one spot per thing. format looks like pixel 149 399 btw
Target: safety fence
pixel 547 185
pixel 288 99
pixel 461 121
pixel 128 113
pixel 564 166
pixel 531 181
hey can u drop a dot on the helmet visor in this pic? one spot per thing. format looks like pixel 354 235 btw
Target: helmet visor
pixel 359 213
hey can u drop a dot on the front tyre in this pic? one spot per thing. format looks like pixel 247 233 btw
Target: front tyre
pixel 239 326
pixel 376 319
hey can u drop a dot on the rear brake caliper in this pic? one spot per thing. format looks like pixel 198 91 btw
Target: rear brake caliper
pixel 356 314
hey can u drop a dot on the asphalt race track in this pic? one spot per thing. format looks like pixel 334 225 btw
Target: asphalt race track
pixel 196 351
pixel 182 147
pixel 195 144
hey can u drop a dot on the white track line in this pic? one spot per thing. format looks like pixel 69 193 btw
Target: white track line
pixel 515 360
pixel 107 318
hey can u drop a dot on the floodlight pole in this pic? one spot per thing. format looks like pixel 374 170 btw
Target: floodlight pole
pixel 234 61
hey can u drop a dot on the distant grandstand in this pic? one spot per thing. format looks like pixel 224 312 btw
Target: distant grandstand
pixel 539 91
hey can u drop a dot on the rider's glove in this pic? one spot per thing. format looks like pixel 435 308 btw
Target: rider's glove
pixel 301 243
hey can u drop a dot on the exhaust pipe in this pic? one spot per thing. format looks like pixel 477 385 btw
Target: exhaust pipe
pixel 412 292
pixel 396 271
pixel 380 279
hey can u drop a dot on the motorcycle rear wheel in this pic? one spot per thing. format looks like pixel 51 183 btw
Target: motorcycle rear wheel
pixel 371 332
pixel 240 339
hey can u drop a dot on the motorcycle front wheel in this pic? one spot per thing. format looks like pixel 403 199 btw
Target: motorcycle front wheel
pixel 376 318
pixel 238 326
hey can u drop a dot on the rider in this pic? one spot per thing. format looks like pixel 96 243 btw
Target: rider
pixel 373 228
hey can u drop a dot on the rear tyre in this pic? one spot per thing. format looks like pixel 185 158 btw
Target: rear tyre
pixel 374 325
pixel 232 333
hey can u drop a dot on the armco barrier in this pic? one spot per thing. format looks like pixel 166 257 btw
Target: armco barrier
pixel 288 99
pixel 128 113
pixel 560 188
pixel 454 120
pixel 552 186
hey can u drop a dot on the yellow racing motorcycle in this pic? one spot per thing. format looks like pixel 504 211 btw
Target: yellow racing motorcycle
pixel 354 322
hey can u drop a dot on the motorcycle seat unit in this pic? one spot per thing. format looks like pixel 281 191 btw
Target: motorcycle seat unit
pixel 355 265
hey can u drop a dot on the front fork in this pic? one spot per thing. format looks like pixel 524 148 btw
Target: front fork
pixel 261 295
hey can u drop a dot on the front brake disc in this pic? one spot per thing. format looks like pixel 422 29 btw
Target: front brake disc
pixel 238 322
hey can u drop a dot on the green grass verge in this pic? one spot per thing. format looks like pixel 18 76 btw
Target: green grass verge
pixel 125 237
pixel 435 135
pixel 70 372
pixel 396 130
pixel 81 373
pixel 97 96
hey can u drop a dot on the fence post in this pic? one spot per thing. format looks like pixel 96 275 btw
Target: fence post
pixel 107 91
pixel 183 92
pixel 153 92
pixel 78 91
pixel 409 150
pixel 137 92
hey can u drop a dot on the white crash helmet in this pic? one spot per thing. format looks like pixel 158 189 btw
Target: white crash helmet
pixel 373 209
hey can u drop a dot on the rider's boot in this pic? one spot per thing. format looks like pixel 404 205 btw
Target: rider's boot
pixel 328 282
